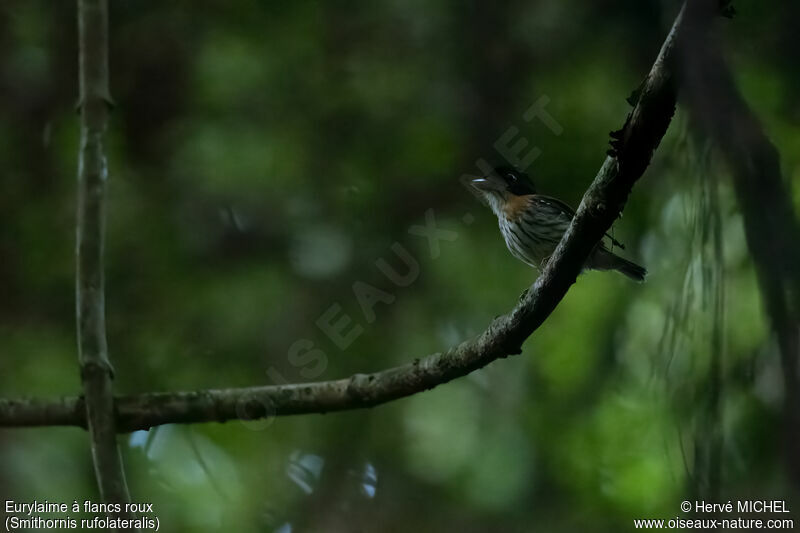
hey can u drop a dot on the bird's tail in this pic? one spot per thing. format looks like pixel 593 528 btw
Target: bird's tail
pixel 605 260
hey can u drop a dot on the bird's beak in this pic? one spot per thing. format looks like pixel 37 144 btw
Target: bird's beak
pixel 487 183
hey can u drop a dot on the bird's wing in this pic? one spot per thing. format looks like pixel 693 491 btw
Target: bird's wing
pixel 555 201
pixel 571 212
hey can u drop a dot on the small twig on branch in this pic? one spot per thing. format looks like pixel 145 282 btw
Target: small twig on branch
pixel 600 207
pixel 96 371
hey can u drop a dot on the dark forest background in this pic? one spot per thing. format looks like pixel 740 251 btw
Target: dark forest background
pixel 264 155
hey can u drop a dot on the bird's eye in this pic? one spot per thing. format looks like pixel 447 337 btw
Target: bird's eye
pixel 511 177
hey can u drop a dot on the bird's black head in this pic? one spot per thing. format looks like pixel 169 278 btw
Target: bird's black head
pixel 516 181
pixel 501 186
pixel 503 182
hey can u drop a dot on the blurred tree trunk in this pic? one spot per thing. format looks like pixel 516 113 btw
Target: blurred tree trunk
pixel 494 69
pixel 771 227
pixel 706 483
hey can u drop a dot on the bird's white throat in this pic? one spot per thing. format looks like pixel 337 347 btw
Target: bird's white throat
pixel 495 202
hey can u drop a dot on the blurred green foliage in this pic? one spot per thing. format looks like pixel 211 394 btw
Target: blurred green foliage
pixel 264 155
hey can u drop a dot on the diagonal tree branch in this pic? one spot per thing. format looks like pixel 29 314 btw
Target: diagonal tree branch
pixel 96 371
pixel 600 207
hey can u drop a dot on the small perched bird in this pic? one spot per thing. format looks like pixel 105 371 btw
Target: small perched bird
pixel 533 224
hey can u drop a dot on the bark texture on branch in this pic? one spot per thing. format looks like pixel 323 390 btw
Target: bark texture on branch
pixel 633 147
pixel 96 371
